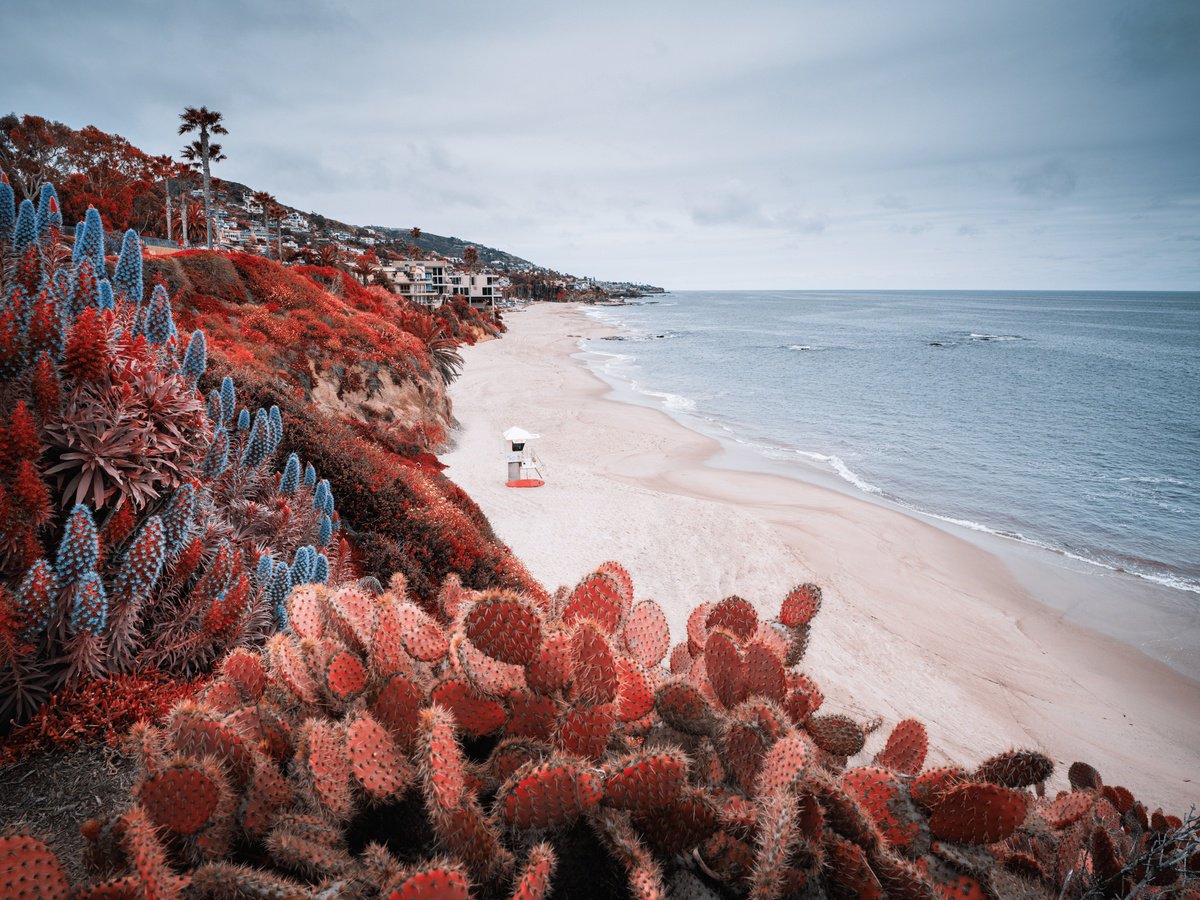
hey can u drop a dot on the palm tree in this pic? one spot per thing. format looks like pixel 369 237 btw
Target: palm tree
pixel 207 122
pixel 277 211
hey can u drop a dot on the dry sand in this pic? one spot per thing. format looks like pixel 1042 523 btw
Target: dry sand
pixel 918 621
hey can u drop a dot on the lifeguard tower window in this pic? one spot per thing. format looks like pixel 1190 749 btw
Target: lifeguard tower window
pixel 520 446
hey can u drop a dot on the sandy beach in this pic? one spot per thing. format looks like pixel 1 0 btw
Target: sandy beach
pixel 991 649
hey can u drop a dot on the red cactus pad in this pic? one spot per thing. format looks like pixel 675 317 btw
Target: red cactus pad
pixel 388 655
pixel 423 637
pixel 850 872
pixel 509 755
pixel 306 616
pixel 327 768
pixel 784 763
pixel 763 673
pixel 905 749
pixel 697 630
pixel 929 787
pixel 647 636
pixel 197 735
pixel 620 575
pixel 645 782
pixel 978 813
pixel 290 670
pixel 532 715
pixel 1016 769
pixel 584 730
pixel 1069 808
pixel 441 758
pixel 836 734
pixel 489 675
pixel 183 797
pixel 681 659
pixel 552 794
pixel 635 697
pixel 1120 797
pixel 475 713
pixel 534 881
pixel 245 669
pixel 266 795
pixel 396 705
pixel 433 882
pixel 594 663
pixel 596 597
pixel 723 665
pixel 505 627
pixel 683 707
pixel 800 605
pixel 676 829
pixel 354 613
pixel 551 670
pixel 882 795
pixel 729 858
pixel 345 676
pixel 375 761
pixel 735 615
pixel 29 870
pixel 745 747
pixel 1083 777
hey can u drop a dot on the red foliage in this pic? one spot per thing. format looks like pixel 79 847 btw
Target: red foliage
pixel 46 386
pixel 97 710
pixel 88 353
pixel 19 441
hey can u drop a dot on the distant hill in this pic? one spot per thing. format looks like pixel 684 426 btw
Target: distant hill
pixel 454 247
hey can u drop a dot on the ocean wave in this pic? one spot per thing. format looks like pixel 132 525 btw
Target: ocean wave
pixel 994 338
pixel 638 338
pixel 676 402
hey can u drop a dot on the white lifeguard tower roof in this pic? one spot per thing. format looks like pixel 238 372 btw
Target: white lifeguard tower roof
pixel 518 435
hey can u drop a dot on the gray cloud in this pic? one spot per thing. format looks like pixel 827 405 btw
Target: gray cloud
pixel 633 140
pixel 1050 180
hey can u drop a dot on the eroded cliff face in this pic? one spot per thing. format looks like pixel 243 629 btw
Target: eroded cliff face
pixel 420 407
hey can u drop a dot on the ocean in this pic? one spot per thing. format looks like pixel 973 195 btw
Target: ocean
pixel 1065 420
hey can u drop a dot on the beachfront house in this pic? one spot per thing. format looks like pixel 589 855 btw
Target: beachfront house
pixel 422 281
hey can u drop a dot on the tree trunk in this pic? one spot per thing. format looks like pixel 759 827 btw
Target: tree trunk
pixel 279 225
pixel 183 205
pixel 207 199
pixel 167 193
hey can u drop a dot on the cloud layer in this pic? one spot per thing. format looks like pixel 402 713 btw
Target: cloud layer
pixel 794 144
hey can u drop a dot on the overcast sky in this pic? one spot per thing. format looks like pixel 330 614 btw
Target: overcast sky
pixel 792 144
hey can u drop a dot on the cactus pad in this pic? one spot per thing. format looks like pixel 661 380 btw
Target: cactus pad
pixel 646 782
pixel 323 755
pixel 836 734
pixel 647 636
pixel 29 870
pixel 551 670
pixel 375 761
pixel 584 729
pixel 354 613
pixel 345 676
pixel 551 794
pixel 1016 769
pixel 534 881
pixel 905 749
pixel 184 797
pixel 885 798
pixel 763 673
pixel 395 705
pixel 596 597
pixel 505 627
pixel 432 881
pixel 784 764
pixel 682 706
pixel 594 664
pixel 978 813
pixel 736 616
pixel 532 715
pixel 423 638
pixel 475 713
pixel 800 605
pixel 723 665
pixel 635 697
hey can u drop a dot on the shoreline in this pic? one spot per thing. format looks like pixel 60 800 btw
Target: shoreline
pixel 1153 616
pixel 917 621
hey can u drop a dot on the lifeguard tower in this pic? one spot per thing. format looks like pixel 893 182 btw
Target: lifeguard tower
pixel 524 467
